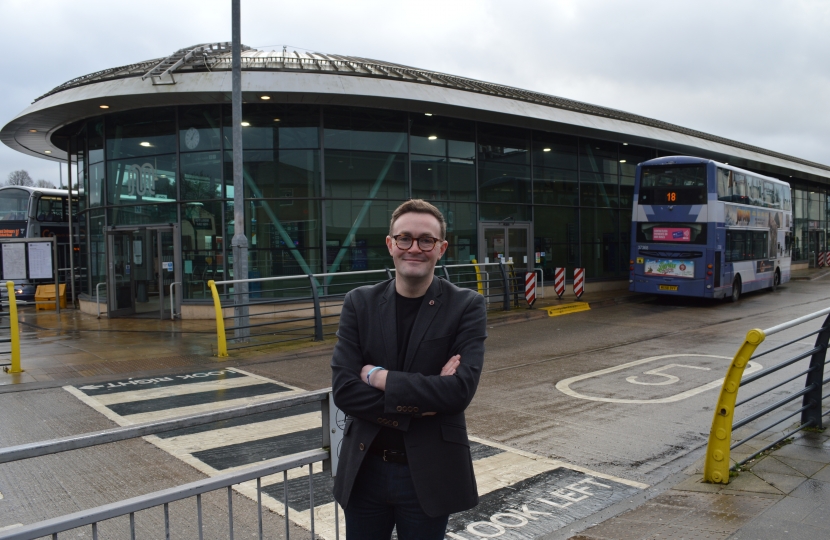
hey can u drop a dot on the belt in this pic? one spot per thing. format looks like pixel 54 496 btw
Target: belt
pixel 390 456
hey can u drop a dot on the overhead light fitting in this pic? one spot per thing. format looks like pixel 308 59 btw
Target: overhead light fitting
pixel 433 137
pixel 545 149
pixel 266 98
pixel 427 114
pixel 245 124
pixel 622 161
pixel 625 144
pixel 276 119
pixel 145 144
pixel 103 106
pixel 32 131
pixel 47 151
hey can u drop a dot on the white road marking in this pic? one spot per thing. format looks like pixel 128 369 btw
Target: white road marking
pixel 176 390
pixel 564 385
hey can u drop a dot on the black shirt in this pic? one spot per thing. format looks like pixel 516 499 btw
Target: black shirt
pixel 406 310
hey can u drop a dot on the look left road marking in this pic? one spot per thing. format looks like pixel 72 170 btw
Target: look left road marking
pixel 564 385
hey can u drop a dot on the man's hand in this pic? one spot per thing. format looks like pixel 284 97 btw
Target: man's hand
pixel 446 371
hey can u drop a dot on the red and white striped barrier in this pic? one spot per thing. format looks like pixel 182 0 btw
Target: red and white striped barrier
pixel 821 259
pixel 559 282
pixel 579 282
pixel 530 288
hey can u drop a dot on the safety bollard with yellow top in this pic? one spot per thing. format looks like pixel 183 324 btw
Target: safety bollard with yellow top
pixel 221 342
pixel 478 278
pixel 14 330
pixel 716 466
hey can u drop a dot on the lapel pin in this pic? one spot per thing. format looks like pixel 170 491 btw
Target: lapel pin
pixel 432 302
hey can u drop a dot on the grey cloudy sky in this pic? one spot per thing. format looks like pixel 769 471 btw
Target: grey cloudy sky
pixel 754 71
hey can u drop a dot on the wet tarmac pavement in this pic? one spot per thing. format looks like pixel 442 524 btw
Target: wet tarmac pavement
pixel 622 396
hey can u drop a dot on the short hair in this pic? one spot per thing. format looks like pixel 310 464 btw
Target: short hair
pixel 422 207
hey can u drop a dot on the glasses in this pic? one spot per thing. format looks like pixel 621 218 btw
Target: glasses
pixel 425 243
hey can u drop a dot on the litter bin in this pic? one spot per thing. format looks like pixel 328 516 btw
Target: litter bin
pixel 46 293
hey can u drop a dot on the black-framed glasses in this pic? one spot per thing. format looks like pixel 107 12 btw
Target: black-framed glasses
pixel 425 243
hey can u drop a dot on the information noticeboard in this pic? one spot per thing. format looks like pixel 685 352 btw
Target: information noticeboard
pixel 40 260
pixel 14 261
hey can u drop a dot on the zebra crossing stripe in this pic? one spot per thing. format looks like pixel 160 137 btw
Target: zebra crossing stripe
pixel 510 482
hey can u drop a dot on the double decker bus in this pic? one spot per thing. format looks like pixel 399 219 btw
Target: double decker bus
pixel 29 212
pixel 707 229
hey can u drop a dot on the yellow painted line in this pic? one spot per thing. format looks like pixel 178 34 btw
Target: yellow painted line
pixel 564 309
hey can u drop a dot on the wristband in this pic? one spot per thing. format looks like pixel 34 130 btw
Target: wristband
pixel 372 371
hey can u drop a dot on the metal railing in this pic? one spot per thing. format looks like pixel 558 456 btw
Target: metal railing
pixel 302 307
pixel 98 297
pixel 14 332
pixel 93 517
pixel 717 461
pixel 173 313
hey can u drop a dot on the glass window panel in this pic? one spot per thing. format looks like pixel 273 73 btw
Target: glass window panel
pixel 599 190
pixel 277 174
pixel 361 175
pixel 555 186
pixel 142 180
pixel 462 232
pixel 142 132
pixel 556 233
pixel 96 184
pixel 199 128
pixel 504 144
pixel 266 126
pixel 145 214
pixel 598 158
pixel 202 256
pixel 440 136
pixel 626 191
pixel 554 150
pixel 97 259
pixel 441 178
pixel 14 204
pixel 356 234
pixel 285 239
pixel 503 182
pixel 504 212
pixel 95 140
pixel 201 175
pixel 364 129
pixel 80 182
pixel 631 156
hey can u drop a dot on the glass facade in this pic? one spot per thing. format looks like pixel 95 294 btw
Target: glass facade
pixel 321 183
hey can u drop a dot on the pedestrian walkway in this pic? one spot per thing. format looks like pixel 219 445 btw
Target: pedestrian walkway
pixel 785 493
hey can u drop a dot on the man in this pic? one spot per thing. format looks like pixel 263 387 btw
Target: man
pixel 406 366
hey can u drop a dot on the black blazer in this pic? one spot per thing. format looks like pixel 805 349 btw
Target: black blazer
pixel 451 321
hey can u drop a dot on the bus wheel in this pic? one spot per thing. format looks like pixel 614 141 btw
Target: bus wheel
pixel 736 289
pixel 776 280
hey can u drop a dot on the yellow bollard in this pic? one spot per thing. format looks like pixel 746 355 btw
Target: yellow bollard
pixel 14 330
pixel 716 466
pixel 478 279
pixel 220 321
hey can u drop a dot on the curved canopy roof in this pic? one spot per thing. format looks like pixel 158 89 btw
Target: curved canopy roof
pixel 212 57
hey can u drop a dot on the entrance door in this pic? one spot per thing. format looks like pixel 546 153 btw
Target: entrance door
pixel 497 241
pixel 141 271
pixel 815 246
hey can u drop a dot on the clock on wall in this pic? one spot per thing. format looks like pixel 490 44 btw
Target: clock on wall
pixel 191 138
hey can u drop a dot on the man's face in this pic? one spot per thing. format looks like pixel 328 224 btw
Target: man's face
pixel 413 262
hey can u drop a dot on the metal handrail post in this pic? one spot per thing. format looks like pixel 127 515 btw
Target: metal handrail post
pixel 318 315
pixel 503 269
pixel 172 306
pixel 14 330
pixel 446 273
pixel 716 464
pixel 812 399
pixel 221 342
pixel 98 297
pixel 478 278
pixel 388 272
pixel 541 286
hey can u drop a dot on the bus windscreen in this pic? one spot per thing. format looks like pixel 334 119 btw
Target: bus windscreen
pixel 673 184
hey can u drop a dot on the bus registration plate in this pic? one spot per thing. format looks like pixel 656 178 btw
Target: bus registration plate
pixel 667 287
